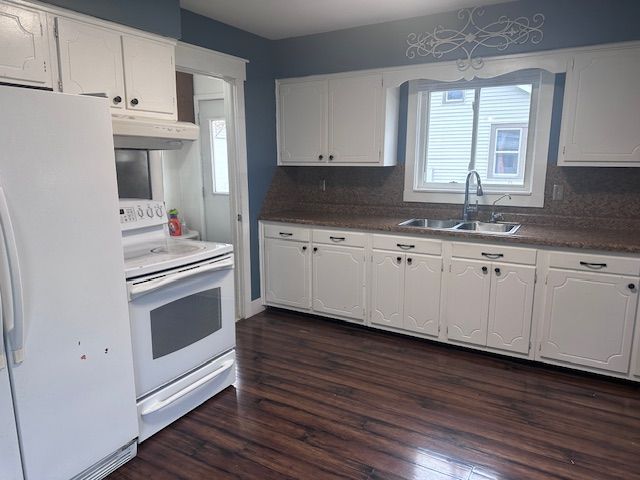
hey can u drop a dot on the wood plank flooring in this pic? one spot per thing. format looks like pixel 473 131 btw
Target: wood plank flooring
pixel 317 399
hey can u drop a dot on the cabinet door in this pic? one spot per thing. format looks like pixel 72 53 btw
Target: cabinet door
pixel 90 60
pixel 149 75
pixel 338 281
pixel 387 289
pixel 287 273
pixel 355 119
pixel 303 122
pixel 24 56
pixel 588 319
pixel 600 122
pixel 466 306
pixel 510 307
pixel 422 279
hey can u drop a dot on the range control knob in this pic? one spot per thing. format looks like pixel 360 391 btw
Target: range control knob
pixel 149 212
pixel 159 211
pixel 140 212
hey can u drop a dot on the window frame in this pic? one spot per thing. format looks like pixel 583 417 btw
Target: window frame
pixel 495 127
pixel 538 136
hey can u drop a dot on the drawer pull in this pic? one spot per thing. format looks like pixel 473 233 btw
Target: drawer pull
pixel 595 266
pixel 404 246
pixel 492 255
pixel 286 234
pixel 337 239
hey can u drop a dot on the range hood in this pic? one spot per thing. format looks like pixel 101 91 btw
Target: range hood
pixel 151 134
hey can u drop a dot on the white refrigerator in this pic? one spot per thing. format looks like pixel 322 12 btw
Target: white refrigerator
pixel 67 395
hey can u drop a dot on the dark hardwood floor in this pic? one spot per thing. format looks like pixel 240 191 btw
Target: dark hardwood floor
pixel 317 399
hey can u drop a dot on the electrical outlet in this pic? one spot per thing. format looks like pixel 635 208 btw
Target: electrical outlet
pixel 558 192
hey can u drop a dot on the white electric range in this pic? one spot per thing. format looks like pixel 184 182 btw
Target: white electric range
pixel 182 315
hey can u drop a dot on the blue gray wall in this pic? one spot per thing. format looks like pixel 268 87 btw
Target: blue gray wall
pixel 260 109
pixel 157 16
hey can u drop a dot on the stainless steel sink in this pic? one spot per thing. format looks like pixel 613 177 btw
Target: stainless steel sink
pixel 487 227
pixel 430 223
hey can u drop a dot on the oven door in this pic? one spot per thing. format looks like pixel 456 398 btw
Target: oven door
pixel 180 319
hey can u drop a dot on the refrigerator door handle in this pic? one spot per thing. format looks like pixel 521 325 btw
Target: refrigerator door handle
pixel 13 305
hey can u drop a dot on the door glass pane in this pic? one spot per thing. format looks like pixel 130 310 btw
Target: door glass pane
pixel 219 157
pixel 185 321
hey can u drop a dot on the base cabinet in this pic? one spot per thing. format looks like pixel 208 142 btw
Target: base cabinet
pixel 338 281
pixel 406 291
pixel 490 304
pixel 287 273
pixel 589 318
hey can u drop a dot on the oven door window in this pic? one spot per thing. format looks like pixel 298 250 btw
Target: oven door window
pixel 185 321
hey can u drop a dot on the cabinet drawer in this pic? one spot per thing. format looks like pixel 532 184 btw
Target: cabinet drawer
pixel 337 237
pixel 498 253
pixel 407 244
pixel 595 263
pixel 287 232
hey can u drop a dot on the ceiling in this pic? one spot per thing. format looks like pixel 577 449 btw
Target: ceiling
pixel 277 19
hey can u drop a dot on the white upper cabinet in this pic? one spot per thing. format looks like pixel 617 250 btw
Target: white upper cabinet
pixel 588 318
pixel 149 75
pixel 467 301
pixel 601 113
pixel 510 307
pixel 24 55
pixel 338 280
pixel 302 122
pixel 355 119
pixel 90 60
pixel 337 120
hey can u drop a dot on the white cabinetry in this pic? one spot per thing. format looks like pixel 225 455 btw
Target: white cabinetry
pixel 589 311
pixel 405 287
pixel 337 120
pixel 489 302
pixel 24 52
pixel 287 267
pixel 600 120
pixel 136 73
pixel 90 60
pixel 338 280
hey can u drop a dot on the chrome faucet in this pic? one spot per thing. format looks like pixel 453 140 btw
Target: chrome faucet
pixel 467 208
pixel 497 217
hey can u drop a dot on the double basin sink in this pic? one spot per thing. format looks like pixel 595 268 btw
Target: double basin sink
pixel 497 228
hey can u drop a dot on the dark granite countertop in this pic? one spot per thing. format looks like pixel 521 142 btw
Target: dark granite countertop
pixel 623 241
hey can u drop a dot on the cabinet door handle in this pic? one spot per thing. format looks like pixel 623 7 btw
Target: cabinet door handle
pixel 337 239
pixel 631 286
pixel 320 157
pixel 304 249
pixel 117 99
pixel 409 260
pixel 485 269
pixel 404 246
pixel 286 234
pixel 492 256
pixel 399 259
pixel 330 157
pixel 497 270
pixel 315 249
pixel 134 101
pixel 595 266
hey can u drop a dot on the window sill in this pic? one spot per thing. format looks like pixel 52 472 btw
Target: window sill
pixel 518 199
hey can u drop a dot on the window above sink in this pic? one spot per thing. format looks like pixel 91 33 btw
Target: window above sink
pixel 499 127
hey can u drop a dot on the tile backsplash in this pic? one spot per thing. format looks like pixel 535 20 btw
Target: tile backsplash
pixel 609 197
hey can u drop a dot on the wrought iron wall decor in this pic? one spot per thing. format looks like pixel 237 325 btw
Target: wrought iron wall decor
pixel 499 34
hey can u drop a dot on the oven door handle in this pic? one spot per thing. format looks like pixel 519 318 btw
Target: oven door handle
pixel 154 407
pixel 137 290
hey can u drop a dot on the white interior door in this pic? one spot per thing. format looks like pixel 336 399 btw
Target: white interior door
pixel 90 60
pixel 589 318
pixel 355 119
pixel 510 307
pixel 215 169
pixel 338 280
pixel 303 122
pixel 466 307
pixel 422 280
pixel 387 288
pixel 287 267
pixel 149 75
pixel 24 54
